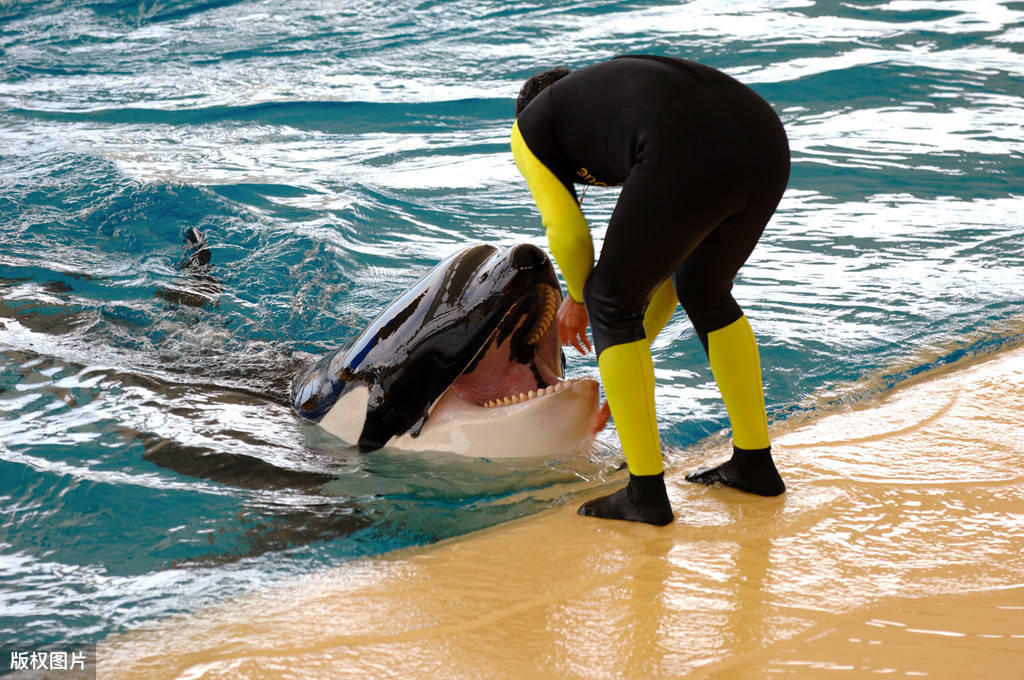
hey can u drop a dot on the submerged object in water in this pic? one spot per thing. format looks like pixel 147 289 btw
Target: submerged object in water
pixel 196 287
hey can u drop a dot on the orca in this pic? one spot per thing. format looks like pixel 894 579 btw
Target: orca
pixel 467 361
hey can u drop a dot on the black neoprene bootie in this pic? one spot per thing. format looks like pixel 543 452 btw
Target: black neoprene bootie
pixel 750 471
pixel 644 499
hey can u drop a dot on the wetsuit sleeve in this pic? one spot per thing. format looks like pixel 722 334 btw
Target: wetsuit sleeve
pixel 568 234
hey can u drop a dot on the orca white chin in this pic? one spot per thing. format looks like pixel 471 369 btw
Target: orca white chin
pixel 554 422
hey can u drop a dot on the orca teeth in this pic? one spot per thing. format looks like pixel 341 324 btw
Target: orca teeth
pixel 526 396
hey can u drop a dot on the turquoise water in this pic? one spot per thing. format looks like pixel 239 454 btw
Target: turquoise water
pixel 332 152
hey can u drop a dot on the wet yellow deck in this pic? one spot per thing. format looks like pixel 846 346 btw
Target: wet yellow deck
pixel 898 551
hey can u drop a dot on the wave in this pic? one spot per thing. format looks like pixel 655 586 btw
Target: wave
pixel 929 360
pixel 335 117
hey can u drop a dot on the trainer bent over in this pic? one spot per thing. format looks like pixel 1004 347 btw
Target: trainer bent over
pixel 702 161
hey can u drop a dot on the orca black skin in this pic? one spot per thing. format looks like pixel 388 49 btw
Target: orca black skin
pixel 413 352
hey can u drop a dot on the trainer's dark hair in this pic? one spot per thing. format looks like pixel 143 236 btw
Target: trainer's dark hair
pixel 535 85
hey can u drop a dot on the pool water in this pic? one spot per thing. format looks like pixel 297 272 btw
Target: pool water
pixel 332 153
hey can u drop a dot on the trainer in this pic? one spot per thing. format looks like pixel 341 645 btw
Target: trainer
pixel 702 161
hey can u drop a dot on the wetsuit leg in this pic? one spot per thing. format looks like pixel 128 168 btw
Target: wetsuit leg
pixel 624 362
pixel 704 283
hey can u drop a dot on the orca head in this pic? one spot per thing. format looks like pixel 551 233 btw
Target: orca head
pixel 472 341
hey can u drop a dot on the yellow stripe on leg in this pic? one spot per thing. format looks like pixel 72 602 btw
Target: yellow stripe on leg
pixel 736 366
pixel 660 309
pixel 627 373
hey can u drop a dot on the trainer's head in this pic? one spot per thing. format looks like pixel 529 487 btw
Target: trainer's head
pixel 535 85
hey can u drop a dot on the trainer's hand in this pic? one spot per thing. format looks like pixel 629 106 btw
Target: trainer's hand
pixel 572 324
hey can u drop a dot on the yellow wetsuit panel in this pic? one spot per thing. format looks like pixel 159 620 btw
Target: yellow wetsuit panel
pixel 660 309
pixel 567 230
pixel 736 366
pixel 627 373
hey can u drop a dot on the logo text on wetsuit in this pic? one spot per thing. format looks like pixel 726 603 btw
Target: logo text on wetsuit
pixel 585 176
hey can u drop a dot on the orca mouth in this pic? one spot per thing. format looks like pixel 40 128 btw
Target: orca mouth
pixel 521 397
pixel 522 360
